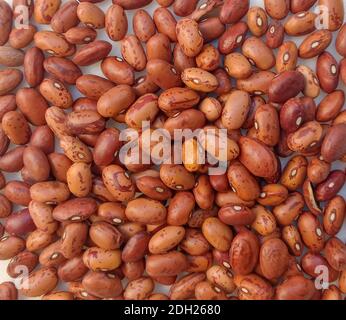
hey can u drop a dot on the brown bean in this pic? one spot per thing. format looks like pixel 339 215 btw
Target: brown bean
pixel 244 253
pixel 176 177
pixel 51 256
pixel 5 21
pixel 211 29
pixel 236 215
pixel 5 207
pixel 253 287
pixel 163 74
pixel 116 22
pixel 56 93
pixel 273 258
pixel 36 164
pixel 109 106
pixel 311 262
pixel 39 282
pixel 238 66
pixel 287 57
pixel 24 259
pixel 286 85
pixel 11 57
pixel 19 223
pixel 49 192
pixel 180 208
pixel 9 80
pixel 295 288
pixel 133 52
pixel 38 240
pixel 301 23
pixel 80 35
pixel 205 291
pixel 42 217
pixel 154 188
pixel 17 192
pixel 301 5
pixel 318 170
pixel 273 195
pixel 59 164
pixel 91 15
pixel 143 25
pixel 166 239
pixel 257 21
pixel 275 34
pixel 290 209
pixel 233 38
pixel 311 232
pixel 63 69
pixel 242 182
pixel 67 210
pixel 102 285
pixel 334 215
pixel 7 103
pixel 257 84
pixel 332 147
pixel 168 264
pixel 233 10
pixel 258 53
pixel 65 18
pixel 209 58
pixel 327 70
pixel 44 10
pixel 75 150
pixel 73 239
pixel 267 125
pixel 165 23
pixel 10 246
pixel 218 234
pixel 236 109
pixel 333 11
pixel 54 43
pixel 340 44
pixel 315 43
pixel 294 174
pixel 335 253
pixel 26 98
pixel 199 79
pixel 92 52
pixel 97 259
pixel 330 106
pixel 189 37
pixel 264 223
pixel 59 295
pixel 72 270
pixel 182 61
pixel 105 236
pixel 156 211
pixel 257 158
pixel 277 9
pixel 329 188
pixel 133 270
pixel 118 71
pixel 185 287
pixel 305 138
pixel 312 85
pixel 12 161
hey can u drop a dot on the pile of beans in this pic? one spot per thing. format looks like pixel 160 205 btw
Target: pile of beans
pixel 107 229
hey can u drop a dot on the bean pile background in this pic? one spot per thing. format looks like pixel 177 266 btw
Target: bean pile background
pixel 95 69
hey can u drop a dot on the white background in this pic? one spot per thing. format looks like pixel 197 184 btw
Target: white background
pixel 95 69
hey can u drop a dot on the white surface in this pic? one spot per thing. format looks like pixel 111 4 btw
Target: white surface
pixel 95 69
